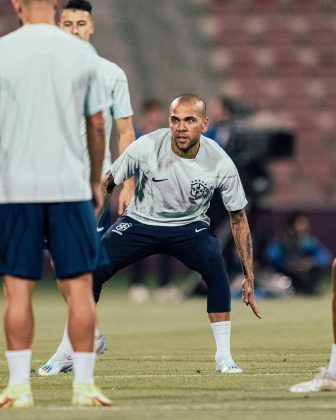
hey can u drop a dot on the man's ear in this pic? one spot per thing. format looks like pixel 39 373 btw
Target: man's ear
pixel 205 125
pixel 57 4
pixel 17 6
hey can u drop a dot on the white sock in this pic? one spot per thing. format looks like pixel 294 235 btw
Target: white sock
pixel 222 332
pixel 332 363
pixel 65 348
pixel 97 333
pixel 19 366
pixel 84 364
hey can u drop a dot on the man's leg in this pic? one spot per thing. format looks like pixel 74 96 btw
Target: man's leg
pixel 325 380
pixel 202 252
pixel 123 248
pixel 81 311
pixel 18 313
pixel 21 253
pixel 61 360
pixel 19 330
pixel 332 363
pixel 81 326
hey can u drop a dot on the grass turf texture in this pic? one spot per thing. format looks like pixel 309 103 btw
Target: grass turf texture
pixel 159 364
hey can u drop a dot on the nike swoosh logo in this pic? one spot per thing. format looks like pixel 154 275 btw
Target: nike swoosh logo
pixel 198 230
pixel 159 180
pixel 99 229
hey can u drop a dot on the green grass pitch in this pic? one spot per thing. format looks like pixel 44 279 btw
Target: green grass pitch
pixel 159 364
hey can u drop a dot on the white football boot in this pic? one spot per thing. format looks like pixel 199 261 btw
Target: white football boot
pixel 323 381
pixel 227 366
pixel 61 362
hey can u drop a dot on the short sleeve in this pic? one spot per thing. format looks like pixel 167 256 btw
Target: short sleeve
pixel 230 187
pixel 95 99
pixel 121 107
pixel 129 161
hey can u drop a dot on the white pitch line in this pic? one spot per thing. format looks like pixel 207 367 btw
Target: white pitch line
pixel 161 407
pixel 199 375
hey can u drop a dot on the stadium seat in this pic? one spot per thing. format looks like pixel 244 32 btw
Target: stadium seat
pixel 281 56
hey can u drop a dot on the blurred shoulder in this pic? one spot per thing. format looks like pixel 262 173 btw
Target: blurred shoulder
pixel 111 70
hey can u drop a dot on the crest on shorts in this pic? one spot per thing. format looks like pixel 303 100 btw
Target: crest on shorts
pixel 199 188
pixel 123 226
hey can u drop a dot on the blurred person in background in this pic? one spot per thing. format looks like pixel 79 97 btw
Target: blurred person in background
pixel 298 254
pixel 228 119
pixel 234 132
pixel 152 117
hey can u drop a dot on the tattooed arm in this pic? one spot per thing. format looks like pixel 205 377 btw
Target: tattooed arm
pixel 107 185
pixel 242 237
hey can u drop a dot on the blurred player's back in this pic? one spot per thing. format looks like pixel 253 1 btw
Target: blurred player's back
pixel 44 75
pixel 49 80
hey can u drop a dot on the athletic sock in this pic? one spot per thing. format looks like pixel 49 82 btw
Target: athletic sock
pixel 65 348
pixel 97 333
pixel 332 363
pixel 19 366
pixel 84 364
pixel 222 332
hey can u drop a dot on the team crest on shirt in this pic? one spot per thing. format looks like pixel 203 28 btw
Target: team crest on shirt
pixel 123 226
pixel 198 188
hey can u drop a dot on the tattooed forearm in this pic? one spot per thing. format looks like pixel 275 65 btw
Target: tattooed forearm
pixel 107 184
pixel 242 237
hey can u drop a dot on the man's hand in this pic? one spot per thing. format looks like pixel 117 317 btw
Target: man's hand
pixel 97 198
pixel 248 297
pixel 125 195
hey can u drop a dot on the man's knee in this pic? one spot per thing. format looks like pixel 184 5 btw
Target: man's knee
pixel 76 287
pixel 211 262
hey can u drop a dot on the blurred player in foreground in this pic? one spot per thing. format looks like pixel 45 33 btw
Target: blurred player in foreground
pixel 49 81
pixel 76 18
pixel 179 169
pixel 325 380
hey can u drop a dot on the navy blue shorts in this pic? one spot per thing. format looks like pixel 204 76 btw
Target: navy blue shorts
pixel 70 229
pixel 128 241
pixel 104 221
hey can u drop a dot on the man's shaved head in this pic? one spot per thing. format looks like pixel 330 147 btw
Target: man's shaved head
pixel 36 11
pixel 187 122
pixel 191 99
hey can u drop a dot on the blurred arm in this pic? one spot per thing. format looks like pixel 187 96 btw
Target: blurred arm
pixel 95 128
pixel 126 137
